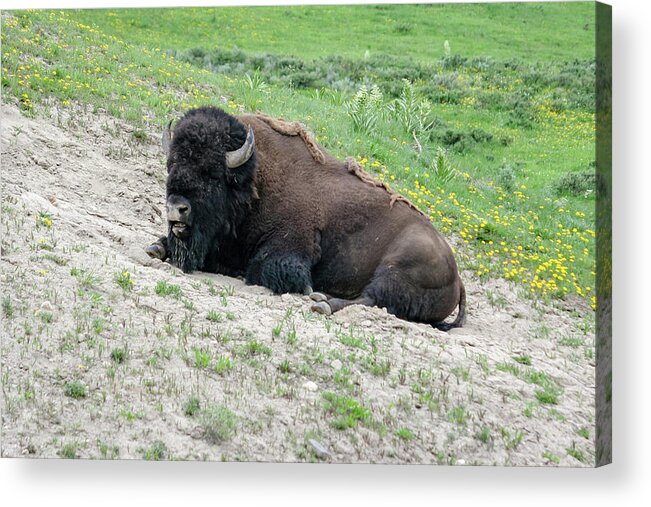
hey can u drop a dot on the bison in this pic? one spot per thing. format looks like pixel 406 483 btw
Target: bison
pixel 255 196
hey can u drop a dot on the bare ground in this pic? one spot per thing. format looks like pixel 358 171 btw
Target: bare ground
pixel 218 370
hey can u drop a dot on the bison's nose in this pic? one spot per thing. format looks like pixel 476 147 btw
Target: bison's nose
pixel 178 210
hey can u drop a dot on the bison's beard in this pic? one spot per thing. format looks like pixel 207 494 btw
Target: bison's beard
pixel 189 255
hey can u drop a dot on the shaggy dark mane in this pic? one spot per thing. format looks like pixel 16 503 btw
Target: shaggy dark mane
pixel 196 167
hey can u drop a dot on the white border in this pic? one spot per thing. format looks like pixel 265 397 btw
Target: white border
pixel 626 482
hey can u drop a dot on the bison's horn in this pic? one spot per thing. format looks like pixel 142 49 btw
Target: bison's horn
pixel 241 155
pixel 167 138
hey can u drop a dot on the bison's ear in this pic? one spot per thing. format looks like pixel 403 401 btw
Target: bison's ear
pixel 242 155
pixel 166 141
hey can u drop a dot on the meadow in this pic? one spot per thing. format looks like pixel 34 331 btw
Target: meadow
pixel 494 140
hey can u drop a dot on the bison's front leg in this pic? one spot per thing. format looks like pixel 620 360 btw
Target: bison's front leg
pixel 158 249
pixel 280 272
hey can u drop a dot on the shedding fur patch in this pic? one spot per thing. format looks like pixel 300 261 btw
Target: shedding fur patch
pixel 355 168
pixel 294 129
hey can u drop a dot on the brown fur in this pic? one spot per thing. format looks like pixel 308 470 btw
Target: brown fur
pixel 357 170
pixel 294 129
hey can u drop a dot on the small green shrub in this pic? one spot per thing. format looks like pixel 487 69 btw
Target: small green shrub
pixel 7 307
pixel 484 435
pixel 218 422
pixel 284 366
pixel 507 177
pixel 75 389
pixel 348 411
pixel 124 280
pixel 192 406
pixel 441 167
pixel 119 355
pixel 576 184
pixel 365 108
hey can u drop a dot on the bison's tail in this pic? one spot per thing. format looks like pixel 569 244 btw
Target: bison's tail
pixel 461 316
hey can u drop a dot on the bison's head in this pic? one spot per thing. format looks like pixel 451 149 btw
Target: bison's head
pixel 211 165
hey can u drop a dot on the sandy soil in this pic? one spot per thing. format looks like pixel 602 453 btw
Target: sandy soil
pixel 218 370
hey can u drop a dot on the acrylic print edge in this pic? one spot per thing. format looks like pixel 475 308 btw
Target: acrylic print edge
pixel 603 116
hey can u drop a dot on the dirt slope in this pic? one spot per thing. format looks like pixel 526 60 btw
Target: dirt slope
pixel 94 370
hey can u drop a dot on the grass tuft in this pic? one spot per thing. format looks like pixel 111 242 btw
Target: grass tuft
pixel 219 423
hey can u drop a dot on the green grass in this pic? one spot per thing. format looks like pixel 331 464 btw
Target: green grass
pixel 549 390
pixel 223 364
pixel 493 139
pixel 347 411
pixel 503 31
pixel 254 347
pixel 119 355
pixel 167 289
pixel 156 452
pixel 576 453
pixel 484 435
pixel 202 358
pixel 219 423
pixel 215 316
pixel 511 441
pixel 69 450
pixel 458 415
pixel 405 434
pixel 192 406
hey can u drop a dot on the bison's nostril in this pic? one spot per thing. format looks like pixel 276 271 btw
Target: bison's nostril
pixel 183 210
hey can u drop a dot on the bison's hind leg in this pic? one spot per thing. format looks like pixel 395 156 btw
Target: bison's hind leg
pixel 416 298
pixel 327 306
pixel 417 280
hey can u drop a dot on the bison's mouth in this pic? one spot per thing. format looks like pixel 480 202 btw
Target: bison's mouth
pixel 181 230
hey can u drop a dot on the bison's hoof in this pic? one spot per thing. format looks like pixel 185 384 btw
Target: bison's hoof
pixel 318 297
pixel 155 251
pixel 322 307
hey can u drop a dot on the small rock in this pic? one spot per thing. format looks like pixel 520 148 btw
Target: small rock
pixel 197 432
pixel 365 323
pixel 319 449
pixel 310 386
pixel 461 462
pixel 46 306
pixel 336 364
